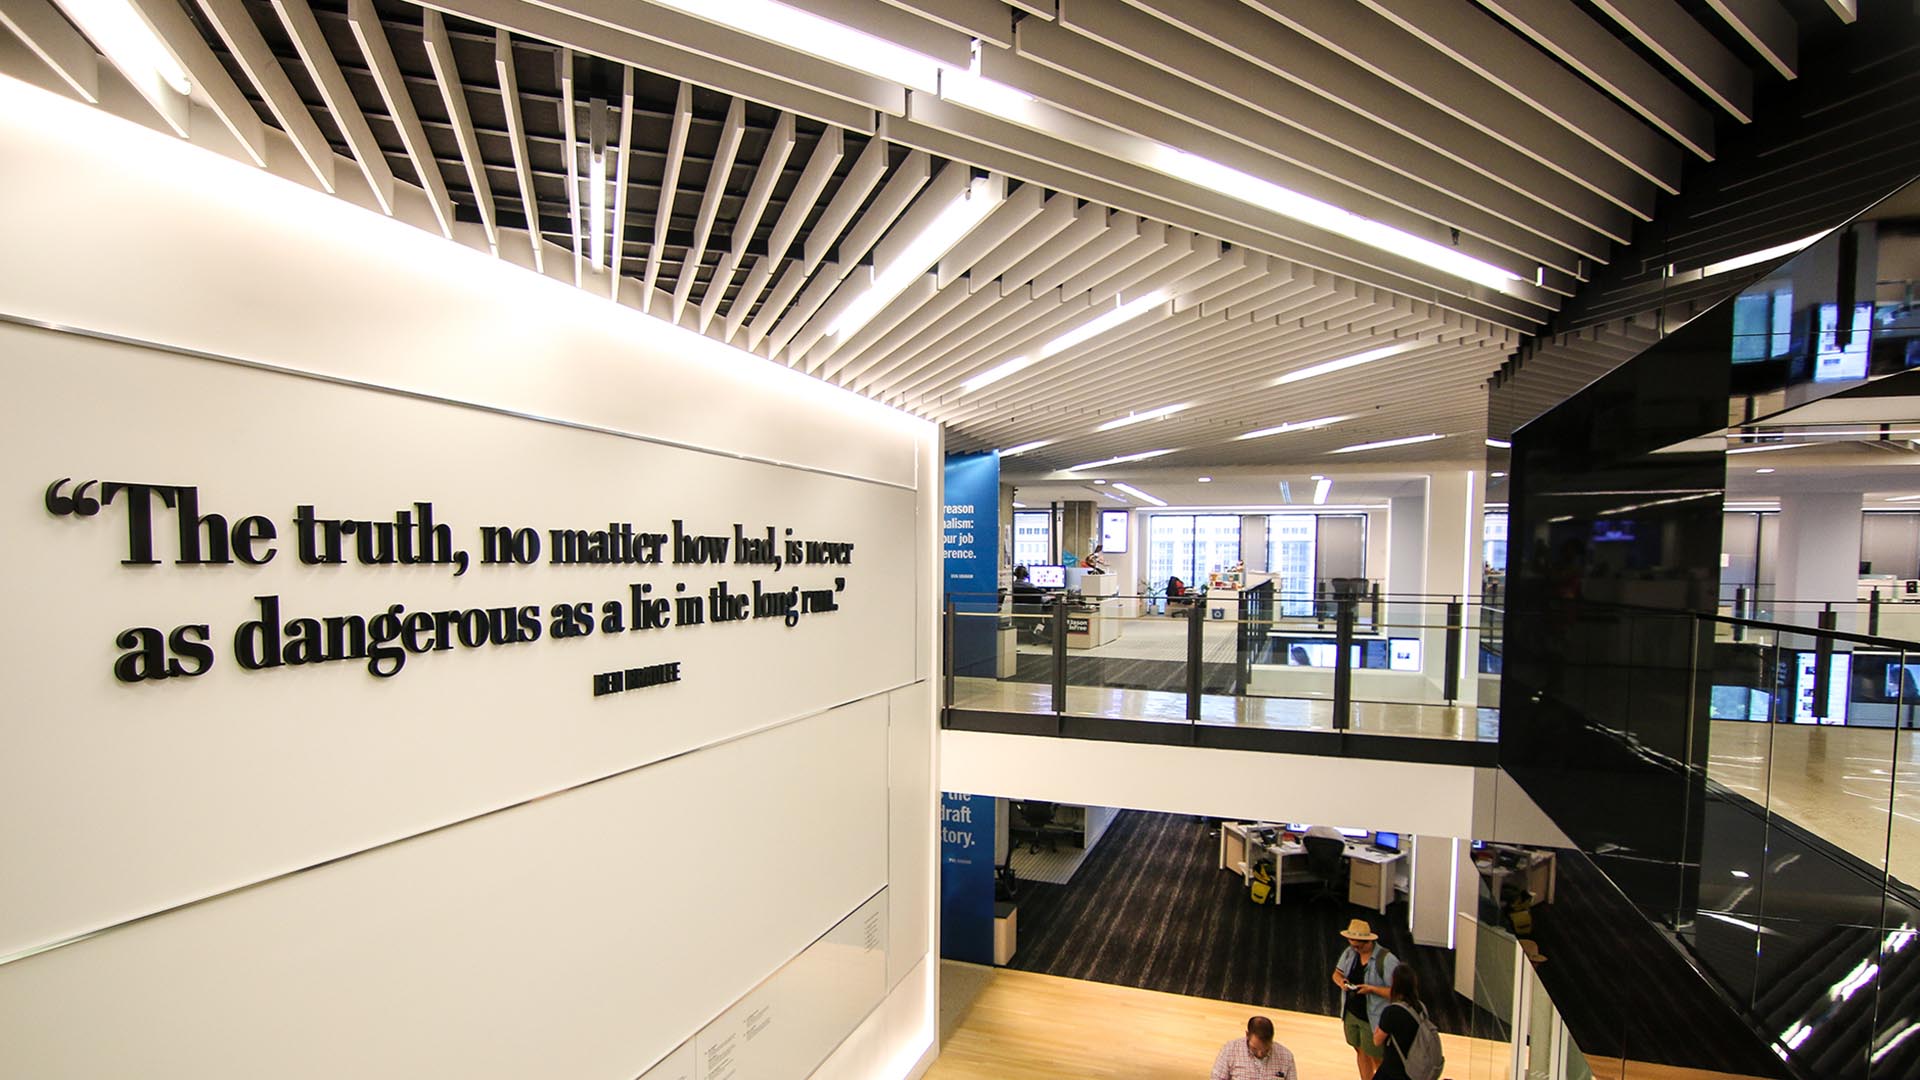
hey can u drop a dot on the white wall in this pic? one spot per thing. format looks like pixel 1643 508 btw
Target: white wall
pixel 475 867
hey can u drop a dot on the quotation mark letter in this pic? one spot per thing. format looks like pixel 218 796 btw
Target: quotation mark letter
pixel 79 504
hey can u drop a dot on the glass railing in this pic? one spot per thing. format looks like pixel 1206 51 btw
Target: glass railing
pixel 1352 661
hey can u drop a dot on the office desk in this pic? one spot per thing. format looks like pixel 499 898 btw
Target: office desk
pixel 1371 877
pixel 1538 871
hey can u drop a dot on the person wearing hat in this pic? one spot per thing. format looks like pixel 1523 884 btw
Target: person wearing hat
pixel 1364 974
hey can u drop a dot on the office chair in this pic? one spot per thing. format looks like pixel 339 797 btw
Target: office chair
pixel 1327 860
pixel 1037 816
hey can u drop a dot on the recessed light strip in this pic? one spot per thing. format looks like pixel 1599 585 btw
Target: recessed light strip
pixel 1303 425
pixel 1115 460
pixel 1026 446
pixel 1150 414
pixel 128 41
pixel 1321 489
pixel 1138 494
pixel 958 218
pixel 1500 444
pixel 1763 448
pixel 1087 331
pixel 1408 441
pixel 1345 362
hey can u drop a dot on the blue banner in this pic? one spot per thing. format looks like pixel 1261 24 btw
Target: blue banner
pixel 970 543
pixel 966 877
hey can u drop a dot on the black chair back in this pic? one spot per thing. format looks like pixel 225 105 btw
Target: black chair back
pixel 1325 856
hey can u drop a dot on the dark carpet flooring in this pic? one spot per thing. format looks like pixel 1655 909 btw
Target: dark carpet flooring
pixel 1151 908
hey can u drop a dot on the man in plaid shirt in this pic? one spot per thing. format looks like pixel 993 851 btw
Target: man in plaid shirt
pixel 1256 1057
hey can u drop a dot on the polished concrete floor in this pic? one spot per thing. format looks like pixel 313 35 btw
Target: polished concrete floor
pixel 1297 714
pixel 1858 788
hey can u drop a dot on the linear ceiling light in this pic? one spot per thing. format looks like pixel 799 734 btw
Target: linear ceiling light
pixel 1087 331
pixel 1115 461
pixel 128 41
pixel 948 228
pixel 1408 441
pixel 1764 447
pixel 1321 489
pixel 1500 444
pixel 1346 362
pixel 1304 425
pixel 597 226
pixel 1752 258
pixel 1026 446
pixel 1150 414
pixel 829 40
pixel 1138 494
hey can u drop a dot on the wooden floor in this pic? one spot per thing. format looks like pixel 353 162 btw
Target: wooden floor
pixel 1025 1026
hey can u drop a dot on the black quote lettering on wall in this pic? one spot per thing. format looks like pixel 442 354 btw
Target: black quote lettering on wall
pixel 166 524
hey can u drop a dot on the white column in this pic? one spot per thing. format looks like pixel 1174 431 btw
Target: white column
pixel 1455 502
pixel 1819 556
pixel 1432 885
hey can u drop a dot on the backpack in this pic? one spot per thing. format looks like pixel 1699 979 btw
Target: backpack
pixel 1423 1059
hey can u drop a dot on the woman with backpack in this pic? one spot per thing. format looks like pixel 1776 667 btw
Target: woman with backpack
pixel 1410 1042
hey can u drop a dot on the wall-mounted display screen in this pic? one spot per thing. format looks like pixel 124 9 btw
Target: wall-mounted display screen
pixel 1839 681
pixel 1740 703
pixel 1047 577
pixel 1113 532
pixel 1837 361
pixel 1403 654
pixel 1612 531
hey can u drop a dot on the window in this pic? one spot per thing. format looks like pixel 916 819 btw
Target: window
pixel 1190 546
pixel 1290 557
pixel 1032 537
pixel 1493 540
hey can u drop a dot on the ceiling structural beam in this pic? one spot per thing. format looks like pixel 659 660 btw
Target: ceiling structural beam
pixel 988 20
pixel 503 67
pixel 53 39
pixel 1482 44
pixel 622 175
pixel 364 21
pixel 317 55
pixel 1236 55
pixel 1687 47
pixel 208 75
pixel 236 27
pixel 902 25
pixel 1768 27
pixel 718 172
pixel 453 92
pixel 570 128
pixel 669 185
pixel 772 162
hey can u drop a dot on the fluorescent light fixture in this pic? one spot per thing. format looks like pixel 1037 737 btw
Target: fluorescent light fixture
pixel 1346 362
pixel 1141 495
pixel 1099 481
pixel 1087 331
pixel 948 228
pixel 1497 475
pixel 1753 258
pixel 1026 446
pixel 1763 472
pixel 1500 444
pixel 1204 479
pixel 1304 425
pixel 1408 441
pixel 1904 498
pixel 597 210
pixel 1150 414
pixel 1122 460
pixel 1286 493
pixel 1321 489
pixel 1316 477
pixel 1019 506
pixel 832 41
pixel 1764 447
pixel 128 41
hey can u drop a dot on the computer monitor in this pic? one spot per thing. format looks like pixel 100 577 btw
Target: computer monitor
pixel 1047 577
pixel 1355 834
pixel 1387 841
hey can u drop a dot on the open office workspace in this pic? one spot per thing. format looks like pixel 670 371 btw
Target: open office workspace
pixel 1147 509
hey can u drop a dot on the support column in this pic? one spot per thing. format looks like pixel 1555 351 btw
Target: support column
pixel 1431 887
pixel 1819 557
pixel 1455 502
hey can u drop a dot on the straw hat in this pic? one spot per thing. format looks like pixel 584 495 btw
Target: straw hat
pixel 1358 930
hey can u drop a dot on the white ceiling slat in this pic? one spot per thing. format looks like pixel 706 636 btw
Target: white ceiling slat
pixel 1121 230
pixel 1367 39
pixel 1768 27
pixel 1562 29
pixel 750 289
pixel 987 20
pixel 308 40
pixel 54 40
pixel 1846 10
pixel 1059 212
pixel 716 290
pixel 1687 47
pixel 1227 45
pixel 1183 256
pixel 236 27
pixel 924 304
pixel 794 325
pixel 504 70
pixel 1015 329
pixel 895 196
pixel 1089 223
pixel 800 203
pixel 208 75
pixel 865 175
pixel 622 151
pixel 779 146
pixel 1483 45
pixel 570 128
pixel 905 26
pixel 364 21
pixel 1111 87
pixel 731 131
pixel 878 362
pixel 453 93
pixel 691 50
pixel 669 191
pixel 1019 208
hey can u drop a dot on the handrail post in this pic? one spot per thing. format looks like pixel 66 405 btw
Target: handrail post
pixel 946 660
pixel 1450 684
pixel 1196 640
pixel 1740 608
pixel 1873 612
pixel 1343 664
pixel 1822 663
pixel 1059 654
